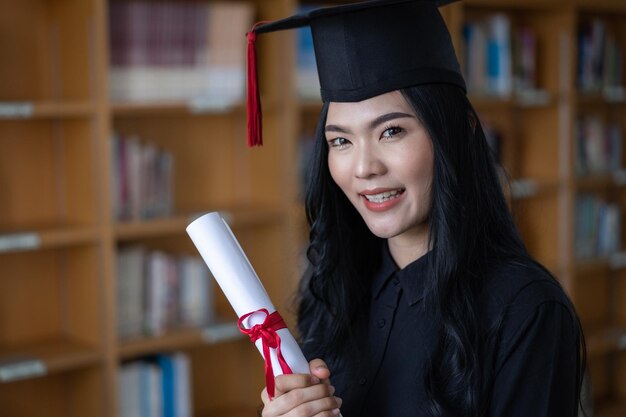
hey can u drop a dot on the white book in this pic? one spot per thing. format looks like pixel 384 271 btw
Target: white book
pixel 155 294
pixel 196 295
pixel 148 186
pixel 130 278
pixel 151 398
pixel 133 154
pixel 129 390
pixel 182 376
pixel 165 181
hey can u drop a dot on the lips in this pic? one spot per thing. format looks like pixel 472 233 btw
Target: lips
pixel 382 199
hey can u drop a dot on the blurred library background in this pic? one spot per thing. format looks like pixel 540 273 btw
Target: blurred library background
pixel 123 120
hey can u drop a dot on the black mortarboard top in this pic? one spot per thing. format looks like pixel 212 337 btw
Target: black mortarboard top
pixel 365 49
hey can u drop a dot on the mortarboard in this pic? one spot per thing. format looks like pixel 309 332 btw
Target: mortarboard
pixel 365 49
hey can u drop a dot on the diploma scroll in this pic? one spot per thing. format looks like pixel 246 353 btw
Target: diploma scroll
pixel 233 272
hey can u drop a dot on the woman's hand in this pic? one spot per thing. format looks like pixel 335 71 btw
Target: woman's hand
pixel 300 395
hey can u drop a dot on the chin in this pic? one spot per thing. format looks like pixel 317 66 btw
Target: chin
pixel 383 231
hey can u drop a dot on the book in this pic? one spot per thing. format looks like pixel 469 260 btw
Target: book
pixel 130 289
pixel 598 146
pixel 156 386
pixel 178 50
pixel 142 179
pixel 158 292
pixel 597 227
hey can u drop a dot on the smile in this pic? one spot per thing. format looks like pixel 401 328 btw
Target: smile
pixel 384 196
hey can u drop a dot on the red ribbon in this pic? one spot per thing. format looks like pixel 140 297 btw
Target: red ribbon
pixel 266 331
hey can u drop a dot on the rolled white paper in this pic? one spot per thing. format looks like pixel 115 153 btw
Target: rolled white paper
pixel 241 285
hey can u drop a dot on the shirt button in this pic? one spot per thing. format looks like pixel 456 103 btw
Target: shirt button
pixel 381 323
pixel 362 381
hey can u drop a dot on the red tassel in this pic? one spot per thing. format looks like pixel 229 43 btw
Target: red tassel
pixel 255 114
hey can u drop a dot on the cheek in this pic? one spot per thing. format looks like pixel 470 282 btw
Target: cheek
pixel 337 172
pixel 420 171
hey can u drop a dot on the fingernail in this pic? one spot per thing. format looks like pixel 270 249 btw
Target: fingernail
pixel 336 411
pixel 315 380
pixel 331 389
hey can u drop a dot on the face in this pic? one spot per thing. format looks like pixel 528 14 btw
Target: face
pixel 381 157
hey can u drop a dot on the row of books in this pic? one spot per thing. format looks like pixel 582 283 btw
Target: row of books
pixel 499 60
pixel 159 386
pixel 598 146
pixel 178 50
pixel 157 292
pixel 142 179
pixel 600 59
pixel 598 226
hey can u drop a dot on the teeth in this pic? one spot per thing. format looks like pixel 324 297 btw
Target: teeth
pixel 382 197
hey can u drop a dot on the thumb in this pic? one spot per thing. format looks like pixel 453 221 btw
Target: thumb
pixel 319 369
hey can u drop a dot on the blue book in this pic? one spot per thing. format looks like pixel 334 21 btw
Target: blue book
pixel 168 385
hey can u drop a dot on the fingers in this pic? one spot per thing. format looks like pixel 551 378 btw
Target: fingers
pixel 299 395
pixel 286 383
pixel 264 397
pixel 307 401
pixel 319 369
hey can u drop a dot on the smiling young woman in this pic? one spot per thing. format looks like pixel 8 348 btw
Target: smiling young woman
pixel 381 157
pixel 420 298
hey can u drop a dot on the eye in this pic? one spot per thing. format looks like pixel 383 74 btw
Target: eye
pixel 339 143
pixel 391 131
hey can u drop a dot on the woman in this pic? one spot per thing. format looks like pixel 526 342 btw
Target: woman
pixel 420 299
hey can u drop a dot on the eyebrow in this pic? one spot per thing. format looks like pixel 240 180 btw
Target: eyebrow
pixel 373 124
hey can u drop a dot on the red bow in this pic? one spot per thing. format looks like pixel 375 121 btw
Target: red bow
pixel 266 331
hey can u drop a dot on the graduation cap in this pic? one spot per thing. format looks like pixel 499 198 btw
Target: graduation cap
pixel 365 49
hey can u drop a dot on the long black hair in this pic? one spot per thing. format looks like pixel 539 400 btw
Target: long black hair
pixel 470 225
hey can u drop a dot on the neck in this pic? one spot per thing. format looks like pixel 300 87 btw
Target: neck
pixel 408 247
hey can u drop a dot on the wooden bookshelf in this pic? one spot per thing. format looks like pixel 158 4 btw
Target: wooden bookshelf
pixel 539 149
pixel 58 240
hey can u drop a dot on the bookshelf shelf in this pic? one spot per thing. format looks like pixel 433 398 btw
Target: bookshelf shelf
pixel 46 238
pixel 592 267
pixel 598 182
pixel 45 110
pixel 221 332
pixel 175 225
pixel 191 107
pixel 56 355
pixel 519 100
pixel 173 107
pixel 597 99
pixel 522 188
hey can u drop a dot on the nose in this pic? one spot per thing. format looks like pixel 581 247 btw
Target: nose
pixel 368 163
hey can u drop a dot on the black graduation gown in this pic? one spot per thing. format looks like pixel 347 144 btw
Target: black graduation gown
pixel 532 359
